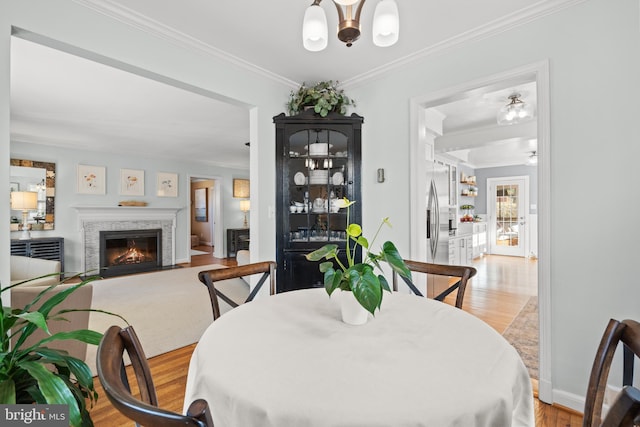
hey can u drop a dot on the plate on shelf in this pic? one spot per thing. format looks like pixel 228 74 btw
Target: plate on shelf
pixel 337 178
pixel 299 178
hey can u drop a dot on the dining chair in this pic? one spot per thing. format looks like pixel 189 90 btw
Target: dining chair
pixel 144 409
pixel 209 277
pixel 626 407
pixel 464 273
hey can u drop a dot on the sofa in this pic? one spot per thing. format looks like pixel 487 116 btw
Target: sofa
pixel 25 268
pixel 79 299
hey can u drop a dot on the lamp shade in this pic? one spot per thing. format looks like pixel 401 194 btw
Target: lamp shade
pixel 386 23
pixel 346 2
pixel 245 205
pixel 24 200
pixel 314 29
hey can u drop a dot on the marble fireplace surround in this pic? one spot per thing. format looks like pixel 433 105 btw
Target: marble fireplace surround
pixel 93 219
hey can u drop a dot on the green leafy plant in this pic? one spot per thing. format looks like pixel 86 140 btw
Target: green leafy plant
pixel 36 373
pixel 359 278
pixel 324 97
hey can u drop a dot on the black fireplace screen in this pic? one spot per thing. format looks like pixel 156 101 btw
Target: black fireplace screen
pixel 130 251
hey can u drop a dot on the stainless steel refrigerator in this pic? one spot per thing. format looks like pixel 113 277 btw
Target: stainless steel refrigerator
pixel 439 214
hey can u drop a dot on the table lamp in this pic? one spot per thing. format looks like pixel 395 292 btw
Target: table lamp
pixel 244 207
pixel 24 201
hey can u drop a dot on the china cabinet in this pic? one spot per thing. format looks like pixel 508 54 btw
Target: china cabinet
pixel 317 163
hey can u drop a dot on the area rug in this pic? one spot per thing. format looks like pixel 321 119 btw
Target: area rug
pixel 522 333
pixel 197 252
pixel 168 309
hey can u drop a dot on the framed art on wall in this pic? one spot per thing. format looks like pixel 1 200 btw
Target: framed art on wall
pixel 167 184
pixel 200 201
pixel 241 188
pixel 91 179
pixel 131 182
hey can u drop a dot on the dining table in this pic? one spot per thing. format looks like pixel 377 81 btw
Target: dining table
pixel 289 360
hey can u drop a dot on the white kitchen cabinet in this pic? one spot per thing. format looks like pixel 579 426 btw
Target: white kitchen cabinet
pixel 461 250
pixel 479 243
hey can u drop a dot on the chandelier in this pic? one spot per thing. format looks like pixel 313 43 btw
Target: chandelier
pixel 386 24
pixel 516 111
pixel 533 158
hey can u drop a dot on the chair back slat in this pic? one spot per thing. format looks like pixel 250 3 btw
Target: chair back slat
pixel 143 410
pixel 210 277
pixel 463 272
pixel 627 332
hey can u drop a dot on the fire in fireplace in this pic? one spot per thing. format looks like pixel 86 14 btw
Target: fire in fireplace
pixel 130 251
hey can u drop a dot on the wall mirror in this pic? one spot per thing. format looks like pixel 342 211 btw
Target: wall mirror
pixel 40 177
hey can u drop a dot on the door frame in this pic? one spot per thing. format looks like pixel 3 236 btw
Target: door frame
pixel 538 71
pixel 491 211
pixel 215 202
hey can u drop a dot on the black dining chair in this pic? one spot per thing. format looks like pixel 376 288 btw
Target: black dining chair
pixel 144 409
pixel 463 273
pixel 625 409
pixel 210 277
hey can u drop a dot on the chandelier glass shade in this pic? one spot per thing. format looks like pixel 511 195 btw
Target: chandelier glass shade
pixel 386 24
pixel 516 111
pixel 533 158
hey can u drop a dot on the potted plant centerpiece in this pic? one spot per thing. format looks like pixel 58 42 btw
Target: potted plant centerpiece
pixel 359 279
pixel 324 97
pixel 36 373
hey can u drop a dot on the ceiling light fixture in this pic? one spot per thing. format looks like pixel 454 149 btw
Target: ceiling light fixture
pixel 386 24
pixel 533 158
pixel 516 111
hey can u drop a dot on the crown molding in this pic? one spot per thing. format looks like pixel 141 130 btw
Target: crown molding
pixel 498 26
pixel 155 28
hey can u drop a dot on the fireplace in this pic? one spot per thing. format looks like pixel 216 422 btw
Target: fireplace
pixel 130 251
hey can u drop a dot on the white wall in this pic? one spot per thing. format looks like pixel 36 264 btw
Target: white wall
pixel 68 22
pixel 592 50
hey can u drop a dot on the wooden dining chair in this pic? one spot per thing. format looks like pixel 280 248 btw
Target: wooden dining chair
pixel 144 409
pixel 626 407
pixel 209 277
pixel 464 273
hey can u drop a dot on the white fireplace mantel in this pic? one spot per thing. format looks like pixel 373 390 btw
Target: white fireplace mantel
pixel 124 213
pixel 92 219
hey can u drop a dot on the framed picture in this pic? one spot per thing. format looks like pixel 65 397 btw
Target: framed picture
pixel 167 184
pixel 241 188
pixel 14 186
pixel 91 179
pixel 200 202
pixel 131 182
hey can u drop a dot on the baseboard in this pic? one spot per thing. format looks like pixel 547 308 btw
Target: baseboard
pixel 568 400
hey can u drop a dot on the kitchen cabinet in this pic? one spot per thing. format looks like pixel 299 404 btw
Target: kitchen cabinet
pixel 461 250
pixel 479 239
pixel 317 163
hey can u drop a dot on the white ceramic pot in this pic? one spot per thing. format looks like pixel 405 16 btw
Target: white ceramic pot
pixel 352 312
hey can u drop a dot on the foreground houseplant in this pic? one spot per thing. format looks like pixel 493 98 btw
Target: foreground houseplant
pixel 324 97
pixel 39 374
pixel 359 278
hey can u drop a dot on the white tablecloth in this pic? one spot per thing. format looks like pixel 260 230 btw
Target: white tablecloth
pixel 289 360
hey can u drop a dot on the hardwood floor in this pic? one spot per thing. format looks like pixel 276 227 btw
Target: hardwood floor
pixel 496 295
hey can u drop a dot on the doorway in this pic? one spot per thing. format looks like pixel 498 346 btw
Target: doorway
pixel 423 143
pixel 205 213
pixel 508 215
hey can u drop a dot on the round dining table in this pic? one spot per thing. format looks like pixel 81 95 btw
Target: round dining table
pixel 289 360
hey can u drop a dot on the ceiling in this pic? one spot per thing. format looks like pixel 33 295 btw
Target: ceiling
pixel 63 100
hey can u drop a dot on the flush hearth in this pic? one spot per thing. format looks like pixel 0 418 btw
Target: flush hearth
pixel 130 251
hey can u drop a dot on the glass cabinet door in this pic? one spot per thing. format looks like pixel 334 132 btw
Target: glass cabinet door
pixel 318 177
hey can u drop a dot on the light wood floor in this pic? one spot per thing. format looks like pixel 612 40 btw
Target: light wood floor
pixel 500 290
